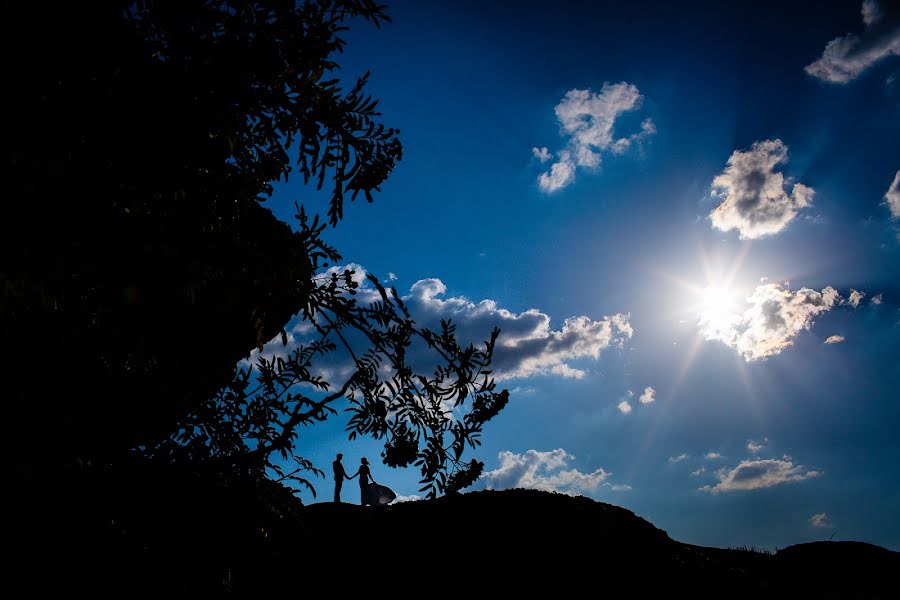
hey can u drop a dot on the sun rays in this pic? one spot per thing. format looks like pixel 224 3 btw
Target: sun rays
pixel 711 304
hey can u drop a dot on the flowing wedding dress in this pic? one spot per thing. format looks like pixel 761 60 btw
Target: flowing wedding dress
pixel 373 493
pixel 379 495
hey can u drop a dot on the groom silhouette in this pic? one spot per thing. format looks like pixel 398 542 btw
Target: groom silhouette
pixel 339 476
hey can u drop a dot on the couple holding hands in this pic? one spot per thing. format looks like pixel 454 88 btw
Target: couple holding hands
pixel 370 492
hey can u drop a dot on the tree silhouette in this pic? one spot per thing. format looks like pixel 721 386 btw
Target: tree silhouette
pixel 138 262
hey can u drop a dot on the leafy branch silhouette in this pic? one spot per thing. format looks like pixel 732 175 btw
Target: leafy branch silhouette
pixel 423 418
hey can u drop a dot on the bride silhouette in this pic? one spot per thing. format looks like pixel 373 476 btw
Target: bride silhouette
pixel 370 492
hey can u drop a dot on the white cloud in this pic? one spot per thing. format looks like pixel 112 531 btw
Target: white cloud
pixel 561 174
pixel 619 487
pixel 679 458
pixel 877 299
pixel 753 195
pixel 527 345
pixel 402 499
pixel 855 298
pixel 773 318
pixel 646 397
pixel 588 120
pixel 754 446
pixel 845 57
pixel 546 471
pixel 542 154
pixel 834 339
pixel 820 520
pixel 713 456
pixel 892 197
pixel 698 472
pixel 391 276
pixel 760 473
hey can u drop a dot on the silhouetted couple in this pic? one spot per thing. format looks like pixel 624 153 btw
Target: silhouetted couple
pixel 370 492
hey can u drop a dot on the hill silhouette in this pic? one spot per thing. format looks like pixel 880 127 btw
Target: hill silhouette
pixel 528 541
pixel 215 539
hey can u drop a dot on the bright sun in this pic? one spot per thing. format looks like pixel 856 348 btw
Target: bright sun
pixel 718 308
pixel 717 298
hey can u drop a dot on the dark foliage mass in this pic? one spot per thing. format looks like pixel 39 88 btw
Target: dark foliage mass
pixel 139 264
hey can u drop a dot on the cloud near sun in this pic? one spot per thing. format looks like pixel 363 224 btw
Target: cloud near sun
pixel 588 120
pixel 527 345
pixel 754 197
pixel 773 317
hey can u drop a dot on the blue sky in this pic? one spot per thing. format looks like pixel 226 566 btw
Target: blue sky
pixel 721 187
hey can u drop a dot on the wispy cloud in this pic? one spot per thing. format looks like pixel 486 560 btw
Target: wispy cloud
pixel 588 120
pixel 760 473
pixel 679 458
pixel 871 12
pixel 754 197
pixel 713 456
pixel 845 57
pixel 892 197
pixel 834 339
pixel 548 471
pixel 774 316
pixel 754 446
pixel 821 520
